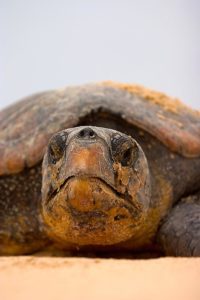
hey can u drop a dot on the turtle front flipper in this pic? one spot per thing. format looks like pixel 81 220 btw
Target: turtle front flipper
pixel 20 228
pixel 179 235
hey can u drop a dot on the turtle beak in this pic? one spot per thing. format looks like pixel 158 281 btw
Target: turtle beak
pixel 88 155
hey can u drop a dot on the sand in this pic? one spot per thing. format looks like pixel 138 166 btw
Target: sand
pixel 84 278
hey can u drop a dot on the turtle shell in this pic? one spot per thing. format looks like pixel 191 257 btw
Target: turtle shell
pixel 25 127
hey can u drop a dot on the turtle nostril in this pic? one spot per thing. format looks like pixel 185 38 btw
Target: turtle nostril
pixel 87 133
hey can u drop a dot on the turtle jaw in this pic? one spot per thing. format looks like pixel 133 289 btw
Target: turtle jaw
pixel 87 211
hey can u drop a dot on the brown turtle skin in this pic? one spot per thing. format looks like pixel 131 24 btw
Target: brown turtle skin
pixel 138 193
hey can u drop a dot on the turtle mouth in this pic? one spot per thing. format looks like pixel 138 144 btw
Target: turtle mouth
pixel 87 210
pixel 89 177
pixel 125 199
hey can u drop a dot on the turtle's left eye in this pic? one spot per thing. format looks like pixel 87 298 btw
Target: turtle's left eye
pixel 126 157
pixel 57 147
pixel 124 150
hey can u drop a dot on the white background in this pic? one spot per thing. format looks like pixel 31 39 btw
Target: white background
pixel 46 44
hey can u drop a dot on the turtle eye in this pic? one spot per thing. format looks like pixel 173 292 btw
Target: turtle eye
pixel 57 147
pixel 124 150
pixel 126 157
pixel 129 155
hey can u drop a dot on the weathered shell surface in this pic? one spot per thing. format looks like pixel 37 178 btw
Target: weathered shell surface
pixel 26 126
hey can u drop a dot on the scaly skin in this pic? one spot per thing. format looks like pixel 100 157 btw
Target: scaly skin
pixel 180 232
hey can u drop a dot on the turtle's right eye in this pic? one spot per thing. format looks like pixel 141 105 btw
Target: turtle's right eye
pixel 57 147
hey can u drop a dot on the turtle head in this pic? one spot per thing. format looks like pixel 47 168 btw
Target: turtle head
pixel 95 188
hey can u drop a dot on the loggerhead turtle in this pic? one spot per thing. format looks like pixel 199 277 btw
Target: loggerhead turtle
pixel 120 172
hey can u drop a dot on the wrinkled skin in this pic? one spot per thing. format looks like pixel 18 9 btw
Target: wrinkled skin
pixel 96 187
